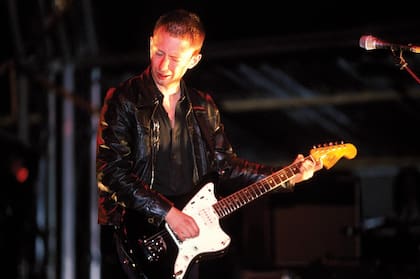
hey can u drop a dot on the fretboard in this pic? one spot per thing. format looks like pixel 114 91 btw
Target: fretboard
pixel 250 193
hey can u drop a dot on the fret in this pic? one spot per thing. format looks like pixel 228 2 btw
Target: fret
pixel 216 208
pixel 253 191
pixel 236 201
pixel 277 177
pixel 272 182
pixel 295 169
pixel 242 197
pixel 263 187
pixel 247 194
pixel 231 203
pixel 223 207
pixel 289 172
pixel 258 186
pixel 282 176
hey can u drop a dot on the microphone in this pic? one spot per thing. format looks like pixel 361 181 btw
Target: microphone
pixel 370 42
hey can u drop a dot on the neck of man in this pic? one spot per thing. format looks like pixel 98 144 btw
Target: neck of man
pixel 171 90
pixel 170 99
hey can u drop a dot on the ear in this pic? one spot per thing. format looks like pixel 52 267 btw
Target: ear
pixel 194 60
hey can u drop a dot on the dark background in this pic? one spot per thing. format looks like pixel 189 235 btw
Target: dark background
pixel 287 77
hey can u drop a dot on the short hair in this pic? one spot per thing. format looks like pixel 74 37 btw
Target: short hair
pixel 182 24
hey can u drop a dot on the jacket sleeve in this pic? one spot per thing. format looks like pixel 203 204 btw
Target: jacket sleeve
pixel 118 185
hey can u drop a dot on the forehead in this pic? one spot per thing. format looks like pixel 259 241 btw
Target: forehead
pixel 169 43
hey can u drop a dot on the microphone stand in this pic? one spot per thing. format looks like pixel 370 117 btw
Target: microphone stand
pixel 404 65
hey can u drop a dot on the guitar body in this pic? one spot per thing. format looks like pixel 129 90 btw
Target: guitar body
pixel 160 254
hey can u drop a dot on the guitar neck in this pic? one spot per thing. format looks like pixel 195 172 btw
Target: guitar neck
pixel 250 193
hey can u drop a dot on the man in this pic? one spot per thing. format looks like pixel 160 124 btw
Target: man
pixel 157 140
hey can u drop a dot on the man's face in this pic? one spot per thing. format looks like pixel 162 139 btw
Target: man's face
pixel 170 58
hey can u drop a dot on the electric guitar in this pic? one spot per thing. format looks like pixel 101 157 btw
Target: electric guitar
pixel 160 254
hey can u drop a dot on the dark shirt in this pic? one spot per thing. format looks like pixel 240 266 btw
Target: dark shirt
pixel 174 166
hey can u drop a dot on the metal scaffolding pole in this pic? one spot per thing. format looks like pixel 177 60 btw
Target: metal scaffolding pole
pixel 95 251
pixel 68 199
pixel 51 269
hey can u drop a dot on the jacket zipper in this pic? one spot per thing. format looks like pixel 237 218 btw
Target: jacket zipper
pixel 155 142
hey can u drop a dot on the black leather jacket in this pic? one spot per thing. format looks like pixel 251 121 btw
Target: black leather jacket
pixel 126 145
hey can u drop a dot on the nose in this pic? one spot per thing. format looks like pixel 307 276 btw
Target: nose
pixel 164 63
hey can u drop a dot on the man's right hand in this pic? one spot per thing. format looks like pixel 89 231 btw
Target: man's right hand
pixel 182 224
